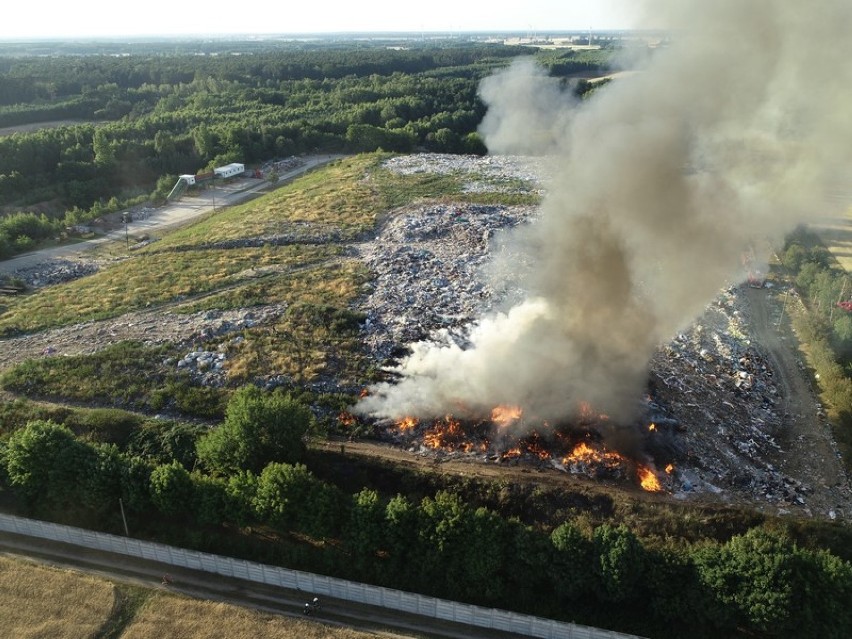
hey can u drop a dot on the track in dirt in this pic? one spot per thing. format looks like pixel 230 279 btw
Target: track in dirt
pixel 806 439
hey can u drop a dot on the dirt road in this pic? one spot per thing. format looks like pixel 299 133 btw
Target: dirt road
pixel 808 452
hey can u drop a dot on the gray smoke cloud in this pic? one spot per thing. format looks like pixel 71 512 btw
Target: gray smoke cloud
pixel 661 180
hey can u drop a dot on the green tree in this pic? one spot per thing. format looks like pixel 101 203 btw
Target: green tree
pixel 752 576
pixel 47 464
pixel 289 497
pixel 572 565
pixel 365 531
pixel 165 441
pixel 241 492
pixel 403 542
pixel 172 490
pixel 527 574
pixel 102 485
pixel 620 562
pixel 135 483
pixel 210 499
pixel 259 427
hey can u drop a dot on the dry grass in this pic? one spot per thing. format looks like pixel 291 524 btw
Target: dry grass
pixel 38 602
pixel 181 618
pixel 836 234
pixel 151 280
pixel 334 197
pixel 51 604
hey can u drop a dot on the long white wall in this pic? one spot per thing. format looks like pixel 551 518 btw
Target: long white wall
pixel 309 582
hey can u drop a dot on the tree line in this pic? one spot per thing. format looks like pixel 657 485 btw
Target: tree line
pixel 153 117
pixel 827 326
pixel 249 472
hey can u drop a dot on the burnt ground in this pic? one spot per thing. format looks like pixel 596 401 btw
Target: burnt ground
pixel 734 406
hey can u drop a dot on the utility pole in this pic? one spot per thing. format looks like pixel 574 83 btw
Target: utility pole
pixel 125 216
pixel 123 518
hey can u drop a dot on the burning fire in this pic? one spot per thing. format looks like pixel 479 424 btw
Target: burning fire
pixel 513 452
pixel 588 457
pixel 584 456
pixel 648 480
pixel 587 414
pixel 531 445
pixel 504 415
pixel 406 423
pixel 448 434
pixel 652 427
pixel 670 469
pixel 346 419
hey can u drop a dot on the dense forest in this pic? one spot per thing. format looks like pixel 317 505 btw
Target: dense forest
pixel 148 117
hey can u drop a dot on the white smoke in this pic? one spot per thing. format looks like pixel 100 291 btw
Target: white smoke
pixel 725 139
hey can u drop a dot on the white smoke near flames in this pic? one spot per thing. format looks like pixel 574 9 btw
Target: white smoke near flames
pixel 662 179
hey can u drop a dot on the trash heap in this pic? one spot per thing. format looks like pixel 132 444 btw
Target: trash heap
pixel 55 271
pixel 427 264
pixel 731 421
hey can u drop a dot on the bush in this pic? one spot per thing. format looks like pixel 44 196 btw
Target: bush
pixel 259 427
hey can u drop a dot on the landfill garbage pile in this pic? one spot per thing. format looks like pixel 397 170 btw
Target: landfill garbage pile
pixel 739 435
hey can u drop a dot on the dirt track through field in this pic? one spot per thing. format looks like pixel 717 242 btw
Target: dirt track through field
pixel 808 450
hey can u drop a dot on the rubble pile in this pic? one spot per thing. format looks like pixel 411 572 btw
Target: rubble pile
pixel 55 271
pixel 724 392
pixel 150 327
pixel 498 172
pixel 208 367
pixel 426 264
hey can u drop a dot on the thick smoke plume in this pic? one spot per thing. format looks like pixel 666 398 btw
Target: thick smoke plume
pixel 722 141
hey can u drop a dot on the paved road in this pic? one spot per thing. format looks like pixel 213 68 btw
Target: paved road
pixel 172 214
pixel 209 586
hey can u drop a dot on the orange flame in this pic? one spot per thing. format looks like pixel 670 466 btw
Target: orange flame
pixel 346 419
pixel 406 423
pixel 670 469
pixel 587 414
pixel 447 434
pixel 503 415
pixel 584 453
pixel 648 480
pixel 535 447
pixel 652 427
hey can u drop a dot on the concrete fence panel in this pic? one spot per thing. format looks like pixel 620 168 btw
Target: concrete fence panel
pixel 407 602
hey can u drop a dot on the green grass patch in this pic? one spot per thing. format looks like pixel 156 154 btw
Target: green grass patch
pixel 128 375
pixel 150 280
pixel 301 344
pixel 333 198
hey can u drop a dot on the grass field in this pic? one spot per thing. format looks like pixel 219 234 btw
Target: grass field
pixel 41 602
pixel 38 602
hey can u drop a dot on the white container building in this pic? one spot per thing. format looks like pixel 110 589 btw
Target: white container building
pixel 230 170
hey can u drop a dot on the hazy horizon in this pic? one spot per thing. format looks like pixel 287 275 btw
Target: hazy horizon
pixel 160 19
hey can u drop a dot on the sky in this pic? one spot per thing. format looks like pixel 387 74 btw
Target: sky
pixel 102 18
